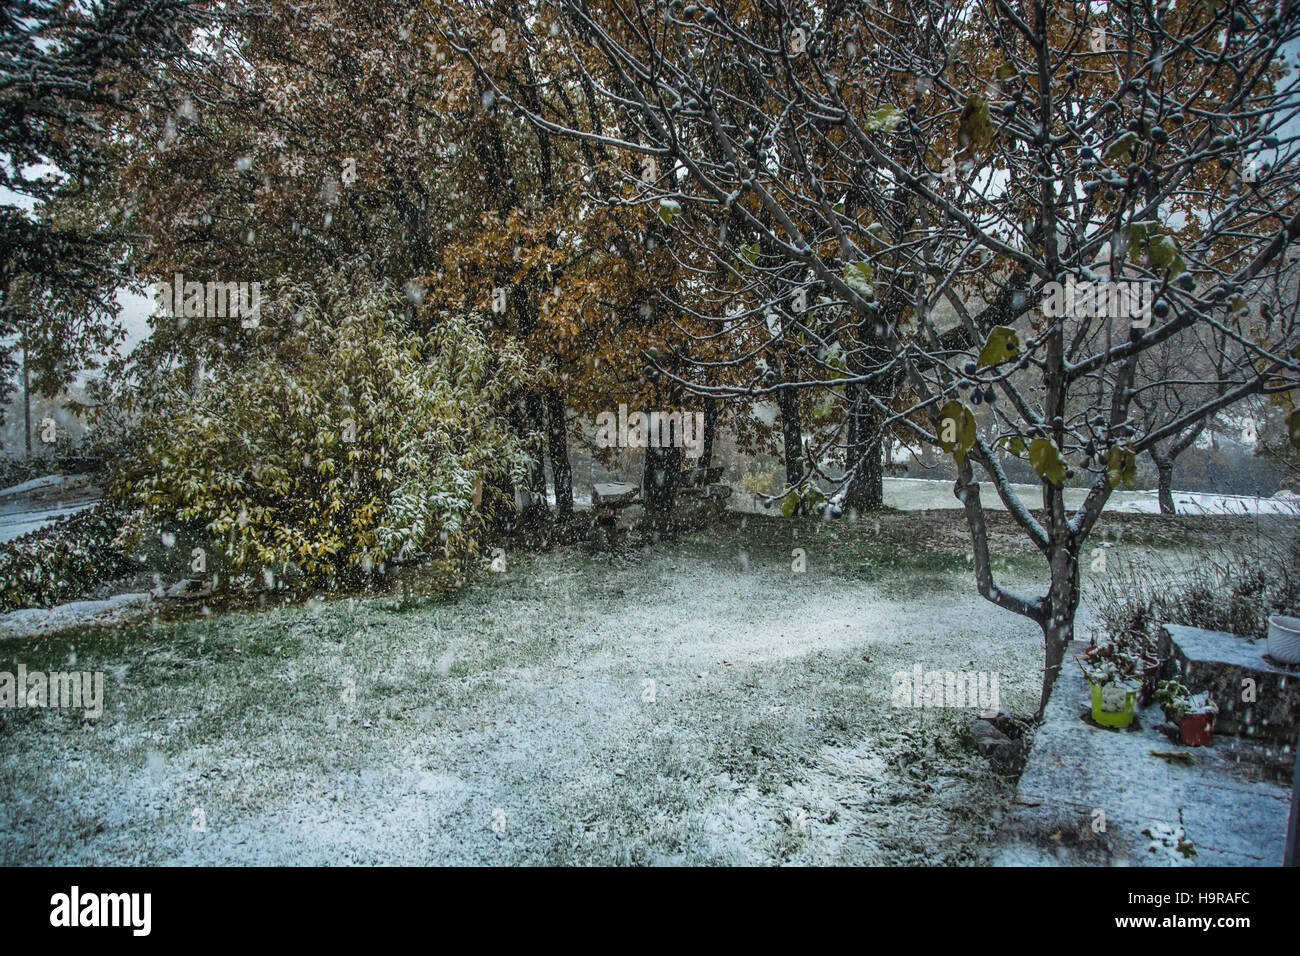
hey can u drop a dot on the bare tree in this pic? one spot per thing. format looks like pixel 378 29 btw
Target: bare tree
pixel 997 209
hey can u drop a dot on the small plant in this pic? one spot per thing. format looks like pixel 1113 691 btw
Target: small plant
pixel 1178 702
pixel 1111 670
pixel 1105 664
pixel 760 482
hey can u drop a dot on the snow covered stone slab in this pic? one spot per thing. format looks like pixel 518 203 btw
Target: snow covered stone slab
pixel 32 621
pixel 1256 698
pixel 1087 795
pixel 47 486
pixel 613 494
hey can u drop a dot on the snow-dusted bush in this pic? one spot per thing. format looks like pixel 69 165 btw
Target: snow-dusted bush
pixel 1227 590
pixel 14 470
pixel 349 443
pixel 61 562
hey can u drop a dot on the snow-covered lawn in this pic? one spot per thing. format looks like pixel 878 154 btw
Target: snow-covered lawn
pixel 33 504
pixel 517 722
pixel 911 494
pixel 919 494
pixel 18 521
pixel 698 703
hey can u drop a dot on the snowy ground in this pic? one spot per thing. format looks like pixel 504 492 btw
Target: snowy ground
pixel 911 494
pixel 515 722
pixel 769 738
pixel 34 504
pixel 922 494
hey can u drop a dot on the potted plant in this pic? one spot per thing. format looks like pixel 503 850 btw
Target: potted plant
pixel 1193 713
pixel 1111 671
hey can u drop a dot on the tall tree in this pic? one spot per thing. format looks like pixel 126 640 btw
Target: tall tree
pixel 1131 149
pixel 66 71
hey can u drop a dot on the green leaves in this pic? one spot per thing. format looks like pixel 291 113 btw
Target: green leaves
pixel 883 119
pixel 1122 148
pixel 1001 345
pixel 1163 254
pixel 858 277
pixel 1142 231
pixel 789 503
pixel 807 494
pixel 1121 466
pixel 749 255
pixel 355 443
pixel 1045 458
pixel 836 360
pixel 669 210
pixel 956 430
pixel 1162 250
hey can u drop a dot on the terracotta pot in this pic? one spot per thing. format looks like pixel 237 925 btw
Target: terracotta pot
pixel 1197 730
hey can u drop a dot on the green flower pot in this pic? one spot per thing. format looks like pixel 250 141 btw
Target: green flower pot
pixel 1114 718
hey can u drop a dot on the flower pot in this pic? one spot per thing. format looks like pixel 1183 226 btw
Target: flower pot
pixel 1197 730
pixel 1113 705
pixel 1284 639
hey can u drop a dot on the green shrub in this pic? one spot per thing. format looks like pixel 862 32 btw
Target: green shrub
pixel 63 561
pixel 14 470
pixel 349 443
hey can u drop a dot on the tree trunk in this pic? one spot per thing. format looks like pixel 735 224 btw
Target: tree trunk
pixel 27 403
pixel 792 433
pixel 1165 482
pixel 536 509
pixel 710 430
pixel 865 490
pixel 557 441
pixel 663 467
pixel 1058 623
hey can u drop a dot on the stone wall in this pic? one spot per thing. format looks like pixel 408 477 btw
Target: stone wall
pixel 1255 697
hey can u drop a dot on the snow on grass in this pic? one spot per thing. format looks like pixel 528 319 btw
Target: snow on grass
pixel 910 494
pixel 514 723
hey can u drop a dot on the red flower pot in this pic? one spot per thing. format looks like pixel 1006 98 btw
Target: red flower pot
pixel 1197 730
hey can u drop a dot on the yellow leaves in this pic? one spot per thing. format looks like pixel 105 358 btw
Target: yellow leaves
pixel 957 430
pixel 974 128
pixel 266 467
pixel 1046 460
